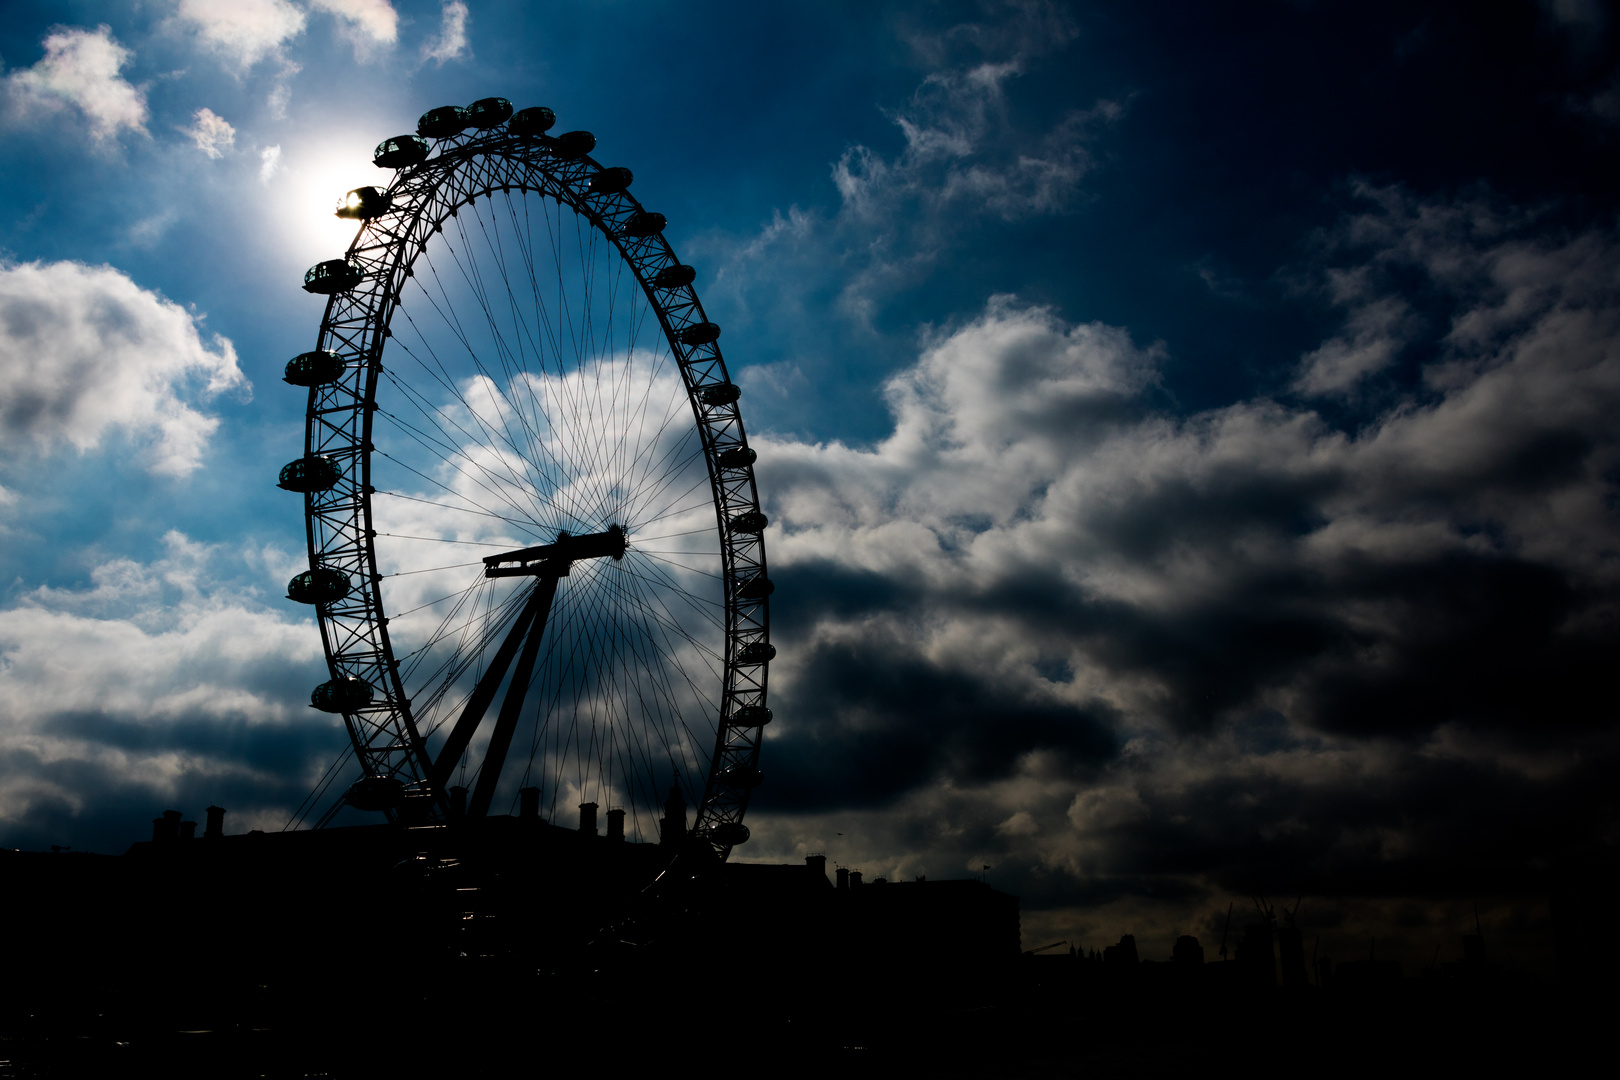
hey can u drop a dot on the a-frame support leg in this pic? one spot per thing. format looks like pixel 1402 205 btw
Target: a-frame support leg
pixel 484 693
pixel 489 773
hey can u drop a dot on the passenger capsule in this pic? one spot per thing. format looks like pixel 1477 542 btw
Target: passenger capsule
pixel 313 472
pixel 674 276
pixel 756 588
pixel 332 276
pixel 573 145
pixel 535 121
pixel 699 334
pixel 719 393
pixel 362 204
pixel 610 180
pixel 342 695
pixel 489 112
pixel 751 521
pixel 741 776
pixel 738 457
pixel 399 152
pixel 375 793
pixel 443 122
pixel 322 585
pixel 728 833
pixel 751 716
pixel 756 652
pixel 644 224
pixel 314 368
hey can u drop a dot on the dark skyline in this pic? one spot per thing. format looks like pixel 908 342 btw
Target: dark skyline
pixel 1187 431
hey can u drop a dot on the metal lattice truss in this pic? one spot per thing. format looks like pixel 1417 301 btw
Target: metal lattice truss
pixel 356 327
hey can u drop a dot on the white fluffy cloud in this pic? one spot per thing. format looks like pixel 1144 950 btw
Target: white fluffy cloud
pixel 84 352
pixel 370 24
pixel 211 132
pixel 81 69
pixel 269 163
pixel 451 41
pixel 242 32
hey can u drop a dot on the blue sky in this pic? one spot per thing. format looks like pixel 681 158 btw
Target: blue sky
pixel 1186 427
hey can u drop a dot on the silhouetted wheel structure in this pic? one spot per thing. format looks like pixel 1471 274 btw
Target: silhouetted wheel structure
pixel 534 535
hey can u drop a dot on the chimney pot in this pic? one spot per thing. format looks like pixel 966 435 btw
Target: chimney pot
pixel 616 825
pixel 854 878
pixel 166 828
pixel 843 877
pixel 587 818
pixel 817 865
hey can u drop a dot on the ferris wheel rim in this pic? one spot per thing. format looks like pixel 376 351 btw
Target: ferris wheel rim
pixel 357 324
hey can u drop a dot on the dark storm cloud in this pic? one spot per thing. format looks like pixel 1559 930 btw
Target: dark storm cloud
pixel 1349 639
pixel 163 684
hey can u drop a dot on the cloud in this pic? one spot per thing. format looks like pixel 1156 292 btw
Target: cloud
pixel 451 42
pixel 269 163
pixel 967 166
pixel 368 23
pixel 211 132
pixel 1114 651
pixel 81 68
pixel 85 352
pixel 961 152
pixel 242 32
pixel 160 684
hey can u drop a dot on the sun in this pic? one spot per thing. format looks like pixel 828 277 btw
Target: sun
pixel 306 185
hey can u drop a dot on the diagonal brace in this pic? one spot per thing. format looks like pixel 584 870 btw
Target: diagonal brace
pixel 484 693
pixel 489 773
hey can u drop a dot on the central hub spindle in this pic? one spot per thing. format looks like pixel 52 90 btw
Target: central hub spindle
pixel 553 560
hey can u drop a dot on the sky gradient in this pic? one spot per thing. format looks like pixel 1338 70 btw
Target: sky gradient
pixel 1187 429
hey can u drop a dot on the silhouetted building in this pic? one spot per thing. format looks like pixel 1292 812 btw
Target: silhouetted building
pixel 672 829
pixel 1256 959
pixel 1291 953
pixel 1123 954
pixel 1187 950
pixel 1371 975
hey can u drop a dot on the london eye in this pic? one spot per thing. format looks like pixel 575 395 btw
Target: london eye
pixel 535 541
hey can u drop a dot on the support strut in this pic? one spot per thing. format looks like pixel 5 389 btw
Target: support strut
pixel 546 563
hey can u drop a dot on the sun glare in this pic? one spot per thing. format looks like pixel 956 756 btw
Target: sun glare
pixel 311 184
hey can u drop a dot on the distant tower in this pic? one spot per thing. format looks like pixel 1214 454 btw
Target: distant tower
pixel 672 830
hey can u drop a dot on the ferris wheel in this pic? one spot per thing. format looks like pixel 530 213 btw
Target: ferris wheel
pixel 535 541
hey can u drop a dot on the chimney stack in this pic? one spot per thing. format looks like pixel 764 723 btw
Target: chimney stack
pixel 529 803
pixel 458 803
pixel 587 818
pixel 672 829
pixel 843 877
pixel 616 825
pixel 817 865
pixel 166 828
pixel 216 823
pixel 854 878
